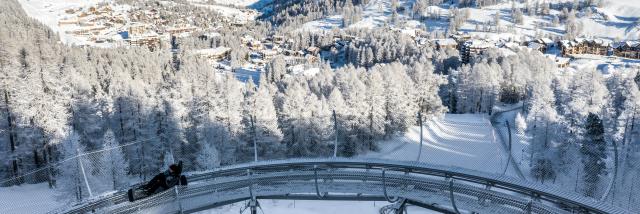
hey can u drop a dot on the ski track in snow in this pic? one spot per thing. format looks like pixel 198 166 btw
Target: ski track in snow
pixel 457 140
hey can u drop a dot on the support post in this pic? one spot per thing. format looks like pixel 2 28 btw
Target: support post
pixel 421 136
pixel 86 181
pixel 384 188
pixel 255 144
pixel 335 131
pixel 509 132
pixel 401 206
pixel 315 173
pixel 527 209
pixel 453 199
pixel 175 188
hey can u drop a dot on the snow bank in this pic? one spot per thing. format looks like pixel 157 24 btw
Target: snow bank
pixel 41 199
pixel 457 140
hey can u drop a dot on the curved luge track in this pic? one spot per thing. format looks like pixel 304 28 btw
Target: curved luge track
pixel 349 179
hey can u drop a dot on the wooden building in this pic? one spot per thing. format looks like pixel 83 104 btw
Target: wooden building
pixel 627 49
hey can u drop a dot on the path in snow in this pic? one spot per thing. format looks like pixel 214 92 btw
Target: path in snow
pixel 41 199
pixel 457 140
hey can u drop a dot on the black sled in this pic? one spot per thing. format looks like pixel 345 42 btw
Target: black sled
pixel 140 191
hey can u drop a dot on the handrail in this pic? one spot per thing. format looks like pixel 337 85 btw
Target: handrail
pixel 345 166
pixel 390 199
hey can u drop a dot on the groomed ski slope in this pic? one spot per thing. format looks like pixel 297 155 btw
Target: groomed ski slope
pixel 457 140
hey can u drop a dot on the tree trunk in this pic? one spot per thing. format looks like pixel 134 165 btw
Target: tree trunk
pixel 12 139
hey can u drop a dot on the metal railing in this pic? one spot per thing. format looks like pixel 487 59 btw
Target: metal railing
pixel 349 179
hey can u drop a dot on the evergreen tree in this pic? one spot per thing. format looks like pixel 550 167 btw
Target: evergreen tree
pixel 116 167
pixel 594 154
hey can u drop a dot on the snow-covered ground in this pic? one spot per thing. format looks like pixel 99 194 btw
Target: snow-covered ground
pixel 50 11
pixel 230 12
pixel 457 140
pixel 314 207
pixel 41 199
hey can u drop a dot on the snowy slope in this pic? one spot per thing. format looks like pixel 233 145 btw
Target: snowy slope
pixel 457 140
pixel 50 11
pixel 12 198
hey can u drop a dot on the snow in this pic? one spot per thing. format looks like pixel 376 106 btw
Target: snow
pixel 50 11
pixel 238 3
pixel 606 64
pixel 313 207
pixel 230 12
pixel 213 51
pixel 327 23
pixel 457 140
pixel 41 199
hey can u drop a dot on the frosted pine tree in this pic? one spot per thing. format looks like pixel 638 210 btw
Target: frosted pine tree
pixel 69 181
pixel 208 157
pixel 116 168
pixel 593 155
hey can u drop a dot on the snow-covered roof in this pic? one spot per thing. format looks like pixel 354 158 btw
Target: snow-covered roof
pixel 213 51
pixel 546 41
pixel 446 42
pixel 535 46
pixel 269 52
pixel 476 43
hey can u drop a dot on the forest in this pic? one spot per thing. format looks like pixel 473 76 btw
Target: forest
pixel 58 101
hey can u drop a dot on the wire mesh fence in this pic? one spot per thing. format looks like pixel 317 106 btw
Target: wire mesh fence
pixel 472 141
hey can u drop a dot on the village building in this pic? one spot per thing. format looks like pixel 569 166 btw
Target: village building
pixel 473 48
pixel 268 54
pixel 585 46
pixel 542 45
pixel 442 44
pixel 313 50
pixel 214 54
pixel 628 49
pixel 179 30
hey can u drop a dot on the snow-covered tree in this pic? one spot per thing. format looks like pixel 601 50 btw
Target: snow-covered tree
pixel 594 154
pixel 116 168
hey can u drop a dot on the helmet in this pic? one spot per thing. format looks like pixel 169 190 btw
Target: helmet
pixel 175 169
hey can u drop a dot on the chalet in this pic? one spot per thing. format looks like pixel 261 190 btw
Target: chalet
pixel 68 22
pixel 255 44
pixel 137 29
pixel 268 54
pixel 442 44
pixel 567 47
pixel 472 48
pixel 547 42
pixel 598 46
pixel 178 30
pixel 541 45
pixel 585 46
pixel 627 49
pixel 151 41
pixel 70 11
pixel 278 40
pixel 537 46
pixel 460 37
pixel 215 54
pixel 313 50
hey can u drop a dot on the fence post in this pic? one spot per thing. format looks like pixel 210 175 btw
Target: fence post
pixel 49 167
pixel 335 129
pixel 452 198
pixel 509 132
pixel 178 198
pixel 255 144
pixel 86 181
pixel 421 136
